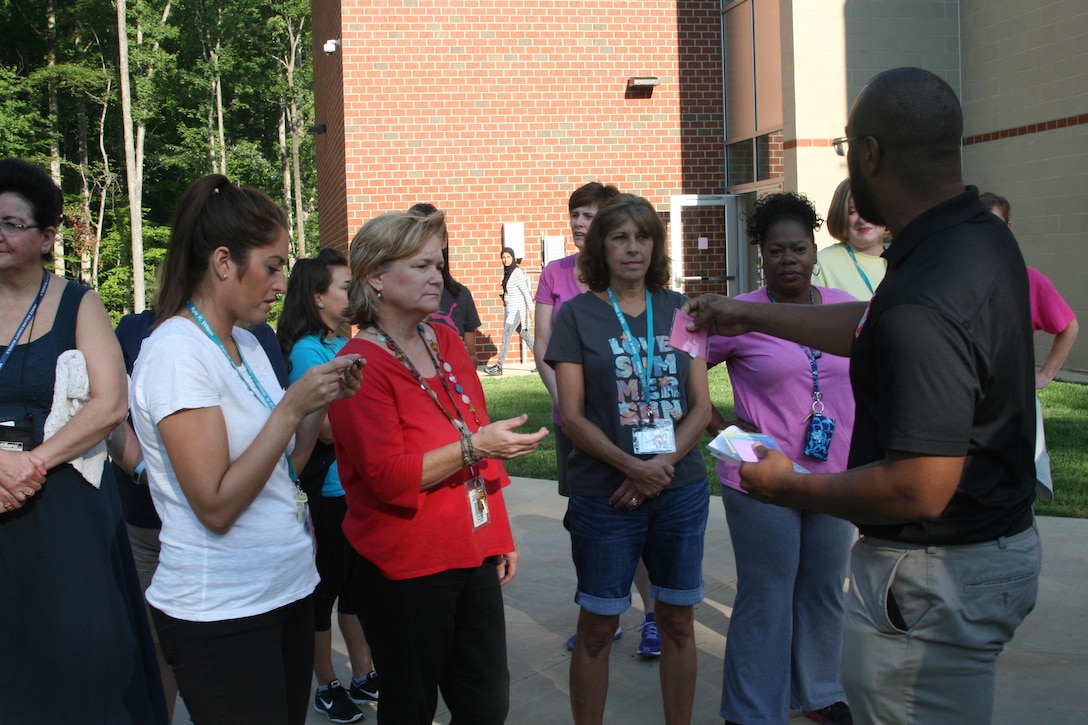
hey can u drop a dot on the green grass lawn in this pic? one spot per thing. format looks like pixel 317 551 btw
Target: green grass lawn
pixel 1065 408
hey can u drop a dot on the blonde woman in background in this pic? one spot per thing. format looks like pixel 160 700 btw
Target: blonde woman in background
pixel 853 265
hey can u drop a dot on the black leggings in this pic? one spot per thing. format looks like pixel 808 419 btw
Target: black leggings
pixel 253 670
pixel 332 549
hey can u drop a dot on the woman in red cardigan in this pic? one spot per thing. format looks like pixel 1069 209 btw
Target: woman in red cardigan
pixel 420 465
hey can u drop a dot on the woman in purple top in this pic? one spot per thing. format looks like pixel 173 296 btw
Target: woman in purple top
pixel 559 282
pixel 785 634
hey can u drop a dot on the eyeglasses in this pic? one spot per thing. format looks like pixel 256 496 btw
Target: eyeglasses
pixel 12 228
pixel 840 143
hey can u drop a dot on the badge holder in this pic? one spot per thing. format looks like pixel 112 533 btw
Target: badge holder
pixel 657 437
pixel 820 427
pixel 478 506
pixel 16 438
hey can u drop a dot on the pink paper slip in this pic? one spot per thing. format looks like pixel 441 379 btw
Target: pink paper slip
pixel 681 338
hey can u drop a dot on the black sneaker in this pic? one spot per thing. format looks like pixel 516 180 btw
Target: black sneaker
pixel 364 691
pixel 837 713
pixel 335 704
pixel 493 370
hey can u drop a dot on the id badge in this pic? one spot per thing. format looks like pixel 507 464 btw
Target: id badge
pixel 16 438
pixel 477 501
pixel 658 437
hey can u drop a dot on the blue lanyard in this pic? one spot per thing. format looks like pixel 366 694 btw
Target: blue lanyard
pixel 864 277
pixel 644 372
pixel 813 355
pixel 260 393
pixel 26 320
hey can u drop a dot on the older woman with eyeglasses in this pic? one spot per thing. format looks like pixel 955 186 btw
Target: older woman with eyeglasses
pixel 69 590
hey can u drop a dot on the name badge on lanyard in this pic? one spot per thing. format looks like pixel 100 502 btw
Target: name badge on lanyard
pixel 656 436
pixel 477 501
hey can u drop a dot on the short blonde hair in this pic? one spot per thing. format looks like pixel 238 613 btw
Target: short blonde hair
pixel 384 239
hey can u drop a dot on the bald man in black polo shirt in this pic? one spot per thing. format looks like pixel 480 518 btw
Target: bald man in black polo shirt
pixel 942 473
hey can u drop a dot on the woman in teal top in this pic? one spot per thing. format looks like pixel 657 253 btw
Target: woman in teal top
pixel 312 329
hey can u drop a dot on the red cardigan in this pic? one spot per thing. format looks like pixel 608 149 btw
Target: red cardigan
pixel 380 436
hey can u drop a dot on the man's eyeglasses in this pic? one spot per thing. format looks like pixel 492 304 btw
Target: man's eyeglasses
pixel 840 143
pixel 10 227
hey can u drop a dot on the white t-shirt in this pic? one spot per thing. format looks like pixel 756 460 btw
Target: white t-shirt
pixel 266 559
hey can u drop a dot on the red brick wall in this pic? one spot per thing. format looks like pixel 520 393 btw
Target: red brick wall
pixel 495 111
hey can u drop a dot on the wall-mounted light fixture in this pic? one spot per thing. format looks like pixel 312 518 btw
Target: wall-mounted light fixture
pixel 316 128
pixel 641 87
pixel 331 46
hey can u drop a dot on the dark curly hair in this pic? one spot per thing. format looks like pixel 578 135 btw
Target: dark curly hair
pixel 592 263
pixel 784 206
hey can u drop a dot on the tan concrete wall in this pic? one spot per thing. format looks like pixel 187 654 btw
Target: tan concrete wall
pixel 1025 96
pixel 831 48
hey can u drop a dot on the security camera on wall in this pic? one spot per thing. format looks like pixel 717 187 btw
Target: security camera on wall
pixel 331 46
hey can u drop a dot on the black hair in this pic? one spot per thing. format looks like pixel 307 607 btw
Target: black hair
pixel 775 208
pixel 916 119
pixel 300 316
pixel 36 186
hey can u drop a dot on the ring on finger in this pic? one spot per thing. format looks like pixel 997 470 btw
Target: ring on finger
pixel 29 492
pixel 8 506
pixel 634 500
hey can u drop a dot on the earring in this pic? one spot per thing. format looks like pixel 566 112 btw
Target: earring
pixel 320 305
pixel 379 294
pixel 224 276
pixel 816 269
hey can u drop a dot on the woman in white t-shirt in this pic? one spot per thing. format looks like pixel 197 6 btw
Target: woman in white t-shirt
pixel 231 598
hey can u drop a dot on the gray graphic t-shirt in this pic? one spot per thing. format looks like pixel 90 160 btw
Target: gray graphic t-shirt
pixel 588 333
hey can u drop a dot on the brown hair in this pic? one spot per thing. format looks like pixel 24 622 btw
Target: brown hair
pixel 211 213
pixel 991 201
pixel 592 194
pixel 592 263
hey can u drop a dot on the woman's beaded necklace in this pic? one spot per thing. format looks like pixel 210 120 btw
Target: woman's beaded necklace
pixel 440 366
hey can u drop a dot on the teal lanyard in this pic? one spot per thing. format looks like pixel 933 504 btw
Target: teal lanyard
pixel 631 345
pixel 257 390
pixel 864 277
pixel 26 319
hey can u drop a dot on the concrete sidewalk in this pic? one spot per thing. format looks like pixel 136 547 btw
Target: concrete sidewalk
pixel 1041 675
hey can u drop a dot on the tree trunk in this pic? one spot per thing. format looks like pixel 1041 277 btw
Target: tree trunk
pixel 85 275
pixel 132 162
pixel 285 171
pixel 54 128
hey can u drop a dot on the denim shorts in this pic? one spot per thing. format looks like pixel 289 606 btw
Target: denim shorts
pixel 666 532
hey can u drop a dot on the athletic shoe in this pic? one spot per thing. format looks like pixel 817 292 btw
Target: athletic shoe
pixel 570 642
pixel 335 704
pixel 364 690
pixel 837 713
pixel 650 644
pixel 493 370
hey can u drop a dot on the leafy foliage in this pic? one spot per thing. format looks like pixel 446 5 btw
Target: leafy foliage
pixel 184 55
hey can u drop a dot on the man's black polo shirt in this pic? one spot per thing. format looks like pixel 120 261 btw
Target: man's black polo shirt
pixel 942 365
